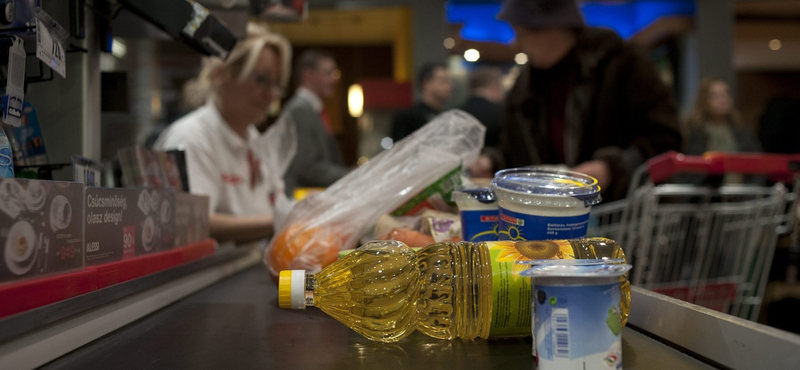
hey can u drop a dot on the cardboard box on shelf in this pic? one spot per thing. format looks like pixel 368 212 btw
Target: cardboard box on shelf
pixel 125 223
pixel 191 219
pixel 161 212
pixel 200 228
pixel 41 227
pixel 113 224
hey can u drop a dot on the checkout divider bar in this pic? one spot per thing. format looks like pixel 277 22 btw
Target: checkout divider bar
pixel 29 294
pixel 717 337
pixel 47 343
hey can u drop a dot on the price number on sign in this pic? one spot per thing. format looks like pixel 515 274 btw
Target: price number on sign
pixel 57 51
pixel 49 49
pixel 67 252
pixel 128 242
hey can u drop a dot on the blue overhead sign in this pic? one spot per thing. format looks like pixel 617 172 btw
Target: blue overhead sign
pixel 626 18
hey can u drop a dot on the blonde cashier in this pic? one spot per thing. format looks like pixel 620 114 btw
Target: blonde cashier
pixel 223 158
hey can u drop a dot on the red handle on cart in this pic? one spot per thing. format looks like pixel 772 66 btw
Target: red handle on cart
pixel 779 167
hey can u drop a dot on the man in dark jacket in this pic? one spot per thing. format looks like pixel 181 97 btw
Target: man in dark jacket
pixel 485 101
pixel 435 87
pixel 585 99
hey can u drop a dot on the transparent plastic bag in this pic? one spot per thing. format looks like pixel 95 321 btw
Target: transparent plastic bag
pixel 325 223
pixel 279 144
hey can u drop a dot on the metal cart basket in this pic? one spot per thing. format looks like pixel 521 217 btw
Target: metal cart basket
pixel 709 245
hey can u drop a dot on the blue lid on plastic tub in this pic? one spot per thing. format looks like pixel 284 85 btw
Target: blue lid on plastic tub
pixel 580 270
pixel 549 182
pixel 575 262
pixel 483 194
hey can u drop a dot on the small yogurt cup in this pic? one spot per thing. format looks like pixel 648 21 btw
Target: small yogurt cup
pixel 478 209
pixel 576 315
pixel 541 204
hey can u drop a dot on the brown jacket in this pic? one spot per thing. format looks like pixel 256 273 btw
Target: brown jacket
pixel 618 111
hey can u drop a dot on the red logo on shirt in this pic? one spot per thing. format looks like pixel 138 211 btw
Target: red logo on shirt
pixel 254 166
pixel 231 179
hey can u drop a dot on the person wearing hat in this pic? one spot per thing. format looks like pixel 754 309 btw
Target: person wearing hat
pixel 585 98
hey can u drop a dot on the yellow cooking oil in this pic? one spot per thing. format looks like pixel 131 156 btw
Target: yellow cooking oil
pixel 384 290
pixel 372 290
pixel 456 295
pixel 591 248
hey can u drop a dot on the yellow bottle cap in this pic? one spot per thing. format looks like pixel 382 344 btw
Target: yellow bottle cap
pixel 291 289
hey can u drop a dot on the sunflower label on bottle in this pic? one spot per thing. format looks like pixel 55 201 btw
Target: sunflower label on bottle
pixel 511 292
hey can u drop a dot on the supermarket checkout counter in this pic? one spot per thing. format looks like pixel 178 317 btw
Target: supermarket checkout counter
pixel 232 321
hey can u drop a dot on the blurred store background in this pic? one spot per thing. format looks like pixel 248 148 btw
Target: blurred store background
pixel 378 44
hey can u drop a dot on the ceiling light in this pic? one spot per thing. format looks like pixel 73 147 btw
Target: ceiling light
pixel 118 48
pixel 472 55
pixel 449 43
pixel 355 100
pixel 775 44
pixel 387 143
pixel 521 58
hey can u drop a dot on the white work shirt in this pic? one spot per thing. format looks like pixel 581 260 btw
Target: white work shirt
pixel 231 171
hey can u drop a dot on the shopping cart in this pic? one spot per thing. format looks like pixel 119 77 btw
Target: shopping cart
pixel 709 245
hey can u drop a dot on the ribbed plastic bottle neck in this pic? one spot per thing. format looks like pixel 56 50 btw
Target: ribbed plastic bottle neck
pixel 473 264
pixel 456 298
pixel 310 283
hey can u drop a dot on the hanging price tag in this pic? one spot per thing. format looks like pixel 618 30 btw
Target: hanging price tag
pixel 15 93
pixel 50 39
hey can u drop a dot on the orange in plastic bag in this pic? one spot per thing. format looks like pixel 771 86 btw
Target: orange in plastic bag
pixel 298 247
pixel 412 238
pixel 336 218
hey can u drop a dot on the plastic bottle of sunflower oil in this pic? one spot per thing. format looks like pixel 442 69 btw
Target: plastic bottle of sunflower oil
pixel 474 290
pixel 373 290
pixel 384 291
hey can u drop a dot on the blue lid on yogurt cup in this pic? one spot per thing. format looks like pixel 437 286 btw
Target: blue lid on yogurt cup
pixel 549 182
pixel 601 270
pixel 575 262
pixel 483 194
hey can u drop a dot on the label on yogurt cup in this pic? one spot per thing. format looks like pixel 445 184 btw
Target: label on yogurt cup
pixel 577 326
pixel 480 225
pixel 520 226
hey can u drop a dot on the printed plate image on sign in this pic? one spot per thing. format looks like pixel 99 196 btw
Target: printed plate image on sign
pixel 40 228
